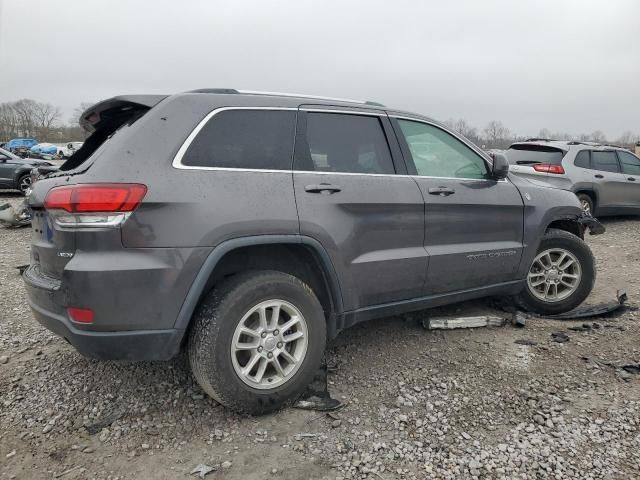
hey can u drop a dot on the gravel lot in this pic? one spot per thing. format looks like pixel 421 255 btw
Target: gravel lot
pixel 419 404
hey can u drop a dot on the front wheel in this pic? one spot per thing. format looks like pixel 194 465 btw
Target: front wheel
pixel 561 275
pixel 24 183
pixel 257 341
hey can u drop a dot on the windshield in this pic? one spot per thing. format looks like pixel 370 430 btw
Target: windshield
pixel 533 154
pixel 8 154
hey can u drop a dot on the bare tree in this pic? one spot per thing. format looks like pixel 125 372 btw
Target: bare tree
pixel 544 133
pixel 78 111
pixel 598 136
pixel 626 139
pixel 496 134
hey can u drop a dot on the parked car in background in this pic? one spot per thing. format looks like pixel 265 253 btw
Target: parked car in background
pixel 354 212
pixel 46 150
pixel 20 146
pixel 606 178
pixel 15 172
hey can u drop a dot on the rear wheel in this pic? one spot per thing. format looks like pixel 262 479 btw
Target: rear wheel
pixel 561 275
pixel 257 341
pixel 586 202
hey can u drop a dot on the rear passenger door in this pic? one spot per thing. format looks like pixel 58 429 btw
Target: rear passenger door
pixel 608 181
pixel 473 227
pixel 631 170
pixel 351 199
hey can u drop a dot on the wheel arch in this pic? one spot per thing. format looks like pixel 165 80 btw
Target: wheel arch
pixel 294 254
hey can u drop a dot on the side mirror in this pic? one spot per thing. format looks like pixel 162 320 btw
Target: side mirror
pixel 3 158
pixel 500 166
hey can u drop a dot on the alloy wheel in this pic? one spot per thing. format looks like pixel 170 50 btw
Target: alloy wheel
pixel 554 275
pixel 269 344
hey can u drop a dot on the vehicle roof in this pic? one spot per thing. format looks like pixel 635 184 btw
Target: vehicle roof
pixel 567 145
pixel 234 97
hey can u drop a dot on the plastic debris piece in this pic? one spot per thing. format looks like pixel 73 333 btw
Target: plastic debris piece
pixel 202 470
pixel 316 396
pixel 595 310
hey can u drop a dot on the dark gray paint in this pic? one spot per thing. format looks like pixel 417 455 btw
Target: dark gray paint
pixel 381 253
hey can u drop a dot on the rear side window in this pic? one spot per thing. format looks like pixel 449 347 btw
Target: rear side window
pixel 533 154
pixel 345 143
pixel 254 139
pixel 604 161
pixel 582 159
pixel 630 163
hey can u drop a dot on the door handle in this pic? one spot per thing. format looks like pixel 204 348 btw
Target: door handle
pixel 599 176
pixel 632 179
pixel 323 187
pixel 442 191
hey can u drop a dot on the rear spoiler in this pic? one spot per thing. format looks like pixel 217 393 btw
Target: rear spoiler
pixel 107 112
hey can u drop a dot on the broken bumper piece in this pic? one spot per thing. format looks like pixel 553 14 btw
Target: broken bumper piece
pixel 594 226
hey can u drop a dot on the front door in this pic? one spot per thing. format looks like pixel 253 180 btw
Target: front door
pixel 631 171
pixel 351 199
pixel 7 169
pixel 473 226
pixel 608 180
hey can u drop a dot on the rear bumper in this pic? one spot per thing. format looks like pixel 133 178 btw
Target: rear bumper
pixel 132 345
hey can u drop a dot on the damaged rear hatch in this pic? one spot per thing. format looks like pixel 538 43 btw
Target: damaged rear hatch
pixel 54 228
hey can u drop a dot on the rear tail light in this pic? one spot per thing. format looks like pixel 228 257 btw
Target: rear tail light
pixel 81 315
pixel 102 204
pixel 547 168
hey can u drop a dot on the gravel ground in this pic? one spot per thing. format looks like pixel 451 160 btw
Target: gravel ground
pixel 418 404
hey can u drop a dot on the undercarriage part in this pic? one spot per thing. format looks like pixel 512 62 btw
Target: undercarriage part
pixel 450 323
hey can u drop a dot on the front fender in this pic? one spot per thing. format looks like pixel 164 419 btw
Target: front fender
pixel 542 207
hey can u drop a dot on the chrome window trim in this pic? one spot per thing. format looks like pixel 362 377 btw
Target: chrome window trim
pixel 177 160
pixel 342 112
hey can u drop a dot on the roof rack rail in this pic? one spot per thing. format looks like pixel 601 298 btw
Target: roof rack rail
pixel 535 139
pixel 214 90
pixel 281 94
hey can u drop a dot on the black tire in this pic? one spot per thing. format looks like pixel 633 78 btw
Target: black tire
pixel 586 202
pixel 20 180
pixel 575 245
pixel 214 324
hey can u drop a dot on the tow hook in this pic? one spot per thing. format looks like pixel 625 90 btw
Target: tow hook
pixel 594 226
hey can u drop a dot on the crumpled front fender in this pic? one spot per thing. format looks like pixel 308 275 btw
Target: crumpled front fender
pixel 594 226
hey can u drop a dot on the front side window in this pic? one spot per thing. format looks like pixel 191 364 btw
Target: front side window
pixel 604 161
pixel 630 163
pixel 252 139
pixel 436 153
pixel 337 142
pixel 582 159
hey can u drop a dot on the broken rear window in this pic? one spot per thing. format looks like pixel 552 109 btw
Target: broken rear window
pixel 533 154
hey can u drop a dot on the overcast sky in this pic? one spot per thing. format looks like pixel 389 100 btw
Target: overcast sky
pixel 567 65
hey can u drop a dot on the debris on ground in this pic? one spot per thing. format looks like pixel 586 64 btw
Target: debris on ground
pixel 595 310
pixel 14 217
pixel 449 323
pixel 202 470
pixel 525 341
pixel 103 422
pixel 559 337
pixel 316 396
pixel 518 319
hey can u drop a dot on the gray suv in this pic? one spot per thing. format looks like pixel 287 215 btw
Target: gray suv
pixel 249 229
pixel 605 178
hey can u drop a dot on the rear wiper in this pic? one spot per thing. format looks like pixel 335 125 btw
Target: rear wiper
pixel 527 162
